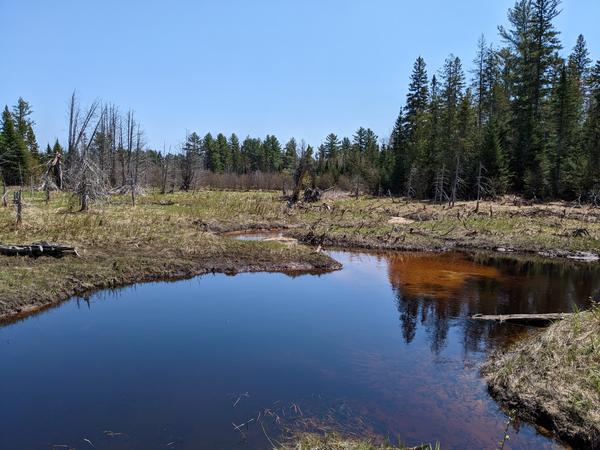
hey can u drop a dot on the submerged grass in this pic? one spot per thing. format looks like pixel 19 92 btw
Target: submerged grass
pixel 553 378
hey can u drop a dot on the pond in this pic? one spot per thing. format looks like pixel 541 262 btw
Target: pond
pixel 383 347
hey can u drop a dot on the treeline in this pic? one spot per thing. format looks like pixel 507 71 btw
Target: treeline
pixel 524 120
pixel 528 122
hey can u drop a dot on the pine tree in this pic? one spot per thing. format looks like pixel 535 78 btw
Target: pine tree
pixel 272 154
pixel 212 157
pixel 252 154
pixel 592 131
pixel 14 157
pixel 453 83
pixel 24 126
pixel 236 154
pixel 493 160
pixel 221 157
pixel 397 147
pixel 566 152
pixel 290 156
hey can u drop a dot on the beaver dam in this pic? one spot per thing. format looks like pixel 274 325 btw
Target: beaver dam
pixel 383 347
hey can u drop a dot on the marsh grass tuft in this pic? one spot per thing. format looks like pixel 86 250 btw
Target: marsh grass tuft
pixel 553 378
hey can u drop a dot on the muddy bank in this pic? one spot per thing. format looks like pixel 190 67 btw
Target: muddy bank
pixel 401 243
pixel 552 379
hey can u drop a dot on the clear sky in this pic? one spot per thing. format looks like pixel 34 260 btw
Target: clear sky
pixel 301 68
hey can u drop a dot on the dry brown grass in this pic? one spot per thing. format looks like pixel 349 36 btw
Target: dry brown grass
pixel 553 378
pixel 336 442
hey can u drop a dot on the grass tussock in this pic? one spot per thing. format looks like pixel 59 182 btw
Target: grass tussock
pixel 334 441
pixel 553 378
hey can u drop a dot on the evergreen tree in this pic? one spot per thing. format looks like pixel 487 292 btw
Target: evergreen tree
pixel 252 154
pixel 272 158
pixel 236 154
pixel 592 131
pixel 221 156
pixel 212 158
pixel 290 156
pixel 565 151
pixel 14 157
pixel 24 126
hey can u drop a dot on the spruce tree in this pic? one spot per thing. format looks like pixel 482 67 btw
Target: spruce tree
pixel 14 157
pixel 592 132
pixel 221 157
pixel 24 126
pixel 290 156
pixel 236 154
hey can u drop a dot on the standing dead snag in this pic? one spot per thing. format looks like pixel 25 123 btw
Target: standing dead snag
pixel 456 183
pixel 18 204
pixel 54 167
pixel 4 192
pixel 304 167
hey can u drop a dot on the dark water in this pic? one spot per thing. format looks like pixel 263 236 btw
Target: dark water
pixel 382 346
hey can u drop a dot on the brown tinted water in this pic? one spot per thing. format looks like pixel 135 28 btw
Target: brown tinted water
pixel 383 347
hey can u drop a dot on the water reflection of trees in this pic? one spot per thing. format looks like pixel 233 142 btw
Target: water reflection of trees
pixel 437 292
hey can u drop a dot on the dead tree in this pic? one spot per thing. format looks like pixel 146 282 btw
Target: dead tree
pixel 164 172
pixel 457 181
pixel 54 168
pixel 85 178
pixel 304 166
pixel 410 190
pixel 4 192
pixel 79 124
pixel 18 204
pixel 440 185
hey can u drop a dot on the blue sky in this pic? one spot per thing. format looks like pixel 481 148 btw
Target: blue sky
pixel 301 68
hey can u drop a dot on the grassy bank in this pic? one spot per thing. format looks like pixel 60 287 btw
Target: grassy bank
pixel 119 245
pixel 554 229
pixel 553 379
pixel 178 235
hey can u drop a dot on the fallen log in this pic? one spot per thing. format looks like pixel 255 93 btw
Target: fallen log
pixel 523 318
pixel 38 249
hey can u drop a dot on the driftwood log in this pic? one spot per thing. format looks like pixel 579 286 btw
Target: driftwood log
pixel 38 249
pixel 523 318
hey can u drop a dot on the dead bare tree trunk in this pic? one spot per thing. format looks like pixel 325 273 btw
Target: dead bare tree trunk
pixel 4 201
pixel 440 184
pixel 18 204
pixel 304 166
pixel 164 173
pixel 455 183
pixel 478 187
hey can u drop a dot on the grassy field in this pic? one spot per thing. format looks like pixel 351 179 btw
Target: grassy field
pixel 180 235
pixel 553 379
